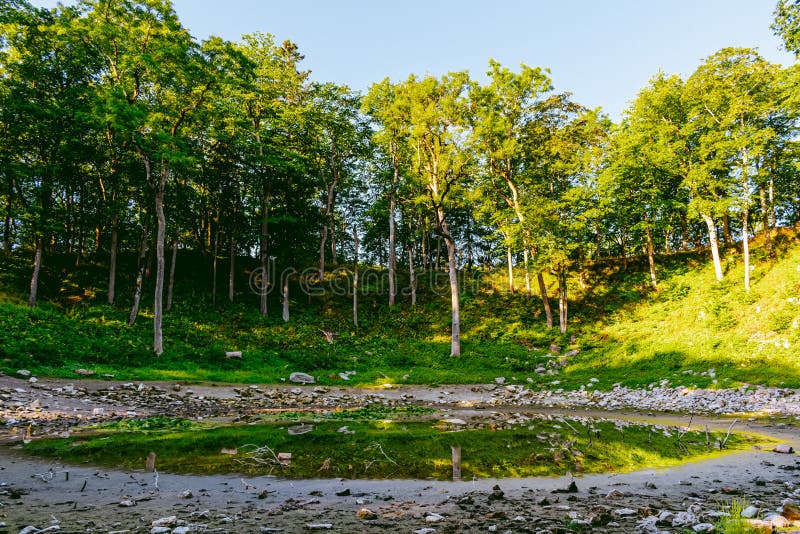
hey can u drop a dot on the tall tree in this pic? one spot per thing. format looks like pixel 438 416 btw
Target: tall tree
pixel 438 117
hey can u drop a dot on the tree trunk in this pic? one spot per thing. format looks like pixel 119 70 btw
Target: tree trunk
pixel 527 271
pixel 158 302
pixel 355 279
pixel 438 252
pixel 651 260
pixel 726 230
pixel 232 269
pixel 411 275
pixel 545 300
pixel 112 262
pixel 713 241
pixel 509 260
pixel 455 339
pixel 171 285
pixel 334 257
pixel 746 250
pixel 7 227
pixel 214 264
pixel 392 254
pixel 264 258
pixel 137 295
pixel 286 298
pixel 765 219
pixel 322 241
pixel 37 264
pixel 562 299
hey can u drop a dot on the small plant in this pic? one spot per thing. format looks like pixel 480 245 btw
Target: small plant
pixel 735 523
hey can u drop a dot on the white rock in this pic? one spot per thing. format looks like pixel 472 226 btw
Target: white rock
pixel 33 380
pixel 301 378
pixel 703 527
pixel 160 530
pixel 169 521
pixel 433 517
pixel 425 531
pixel 25 373
pixel 625 512
pixel 500 380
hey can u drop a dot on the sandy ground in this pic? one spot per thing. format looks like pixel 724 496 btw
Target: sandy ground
pixel 86 499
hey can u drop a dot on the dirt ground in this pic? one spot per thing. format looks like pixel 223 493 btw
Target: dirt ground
pixel 51 496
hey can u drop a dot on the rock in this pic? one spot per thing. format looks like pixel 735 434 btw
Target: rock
pixel 454 421
pixel 169 521
pixel 555 349
pixel 778 521
pixel 24 373
pixel 160 530
pixel 684 519
pixel 319 526
pixel 300 429
pixel 233 354
pixel 285 458
pixel 615 495
pixel 425 531
pixel 230 452
pixel 344 493
pixel 750 512
pixel 665 518
pixel 181 530
pixel 703 527
pixel 187 494
pixel 497 494
pixel 84 372
pixel 625 512
pixel 500 380
pixel 33 380
pixel 127 503
pixel 783 449
pixel 433 517
pixel 571 353
pixel 790 512
pixel 647 526
pixel 301 378
pixel 30 529
pixel 366 514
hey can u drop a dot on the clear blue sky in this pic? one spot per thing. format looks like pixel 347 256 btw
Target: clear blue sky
pixel 603 51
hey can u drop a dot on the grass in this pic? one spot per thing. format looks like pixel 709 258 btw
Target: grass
pixel 625 332
pixel 387 448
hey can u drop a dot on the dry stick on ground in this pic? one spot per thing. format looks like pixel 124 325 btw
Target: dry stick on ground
pixel 724 441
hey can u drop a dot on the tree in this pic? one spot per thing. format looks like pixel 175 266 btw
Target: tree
pixel 732 97
pixel 438 124
pixel 787 24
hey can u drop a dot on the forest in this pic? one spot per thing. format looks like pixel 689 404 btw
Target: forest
pixel 129 146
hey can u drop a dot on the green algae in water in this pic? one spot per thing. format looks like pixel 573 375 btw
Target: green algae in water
pixel 387 449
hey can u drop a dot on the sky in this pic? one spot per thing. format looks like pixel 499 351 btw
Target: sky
pixel 602 51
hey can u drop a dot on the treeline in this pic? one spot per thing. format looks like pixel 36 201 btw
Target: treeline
pixel 123 133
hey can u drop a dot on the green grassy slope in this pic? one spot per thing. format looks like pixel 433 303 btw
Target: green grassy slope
pixel 625 332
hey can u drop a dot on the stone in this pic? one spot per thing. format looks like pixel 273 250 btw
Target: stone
pixel 301 378
pixel 425 531
pixel 169 521
pixel 30 529
pixel 783 449
pixel 433 517
pixel 454 421
pixel 750 512
pixel 285 458
pixel 84 372
pixel 33 380
pixel 187 494
pixel 181 530
pixel 127 503
pixel 160 530
pixel 500 380
pixel 24 373
pixel 555 349
pixel 703 527
pixel 615 495
pixel 366 514
pixel 233 354
pixel 790 512
pixel 625 512
pixel 319 526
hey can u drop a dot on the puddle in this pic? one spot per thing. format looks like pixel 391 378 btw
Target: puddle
pixel 409 445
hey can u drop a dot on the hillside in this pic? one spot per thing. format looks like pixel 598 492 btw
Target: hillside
pixel 622 331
